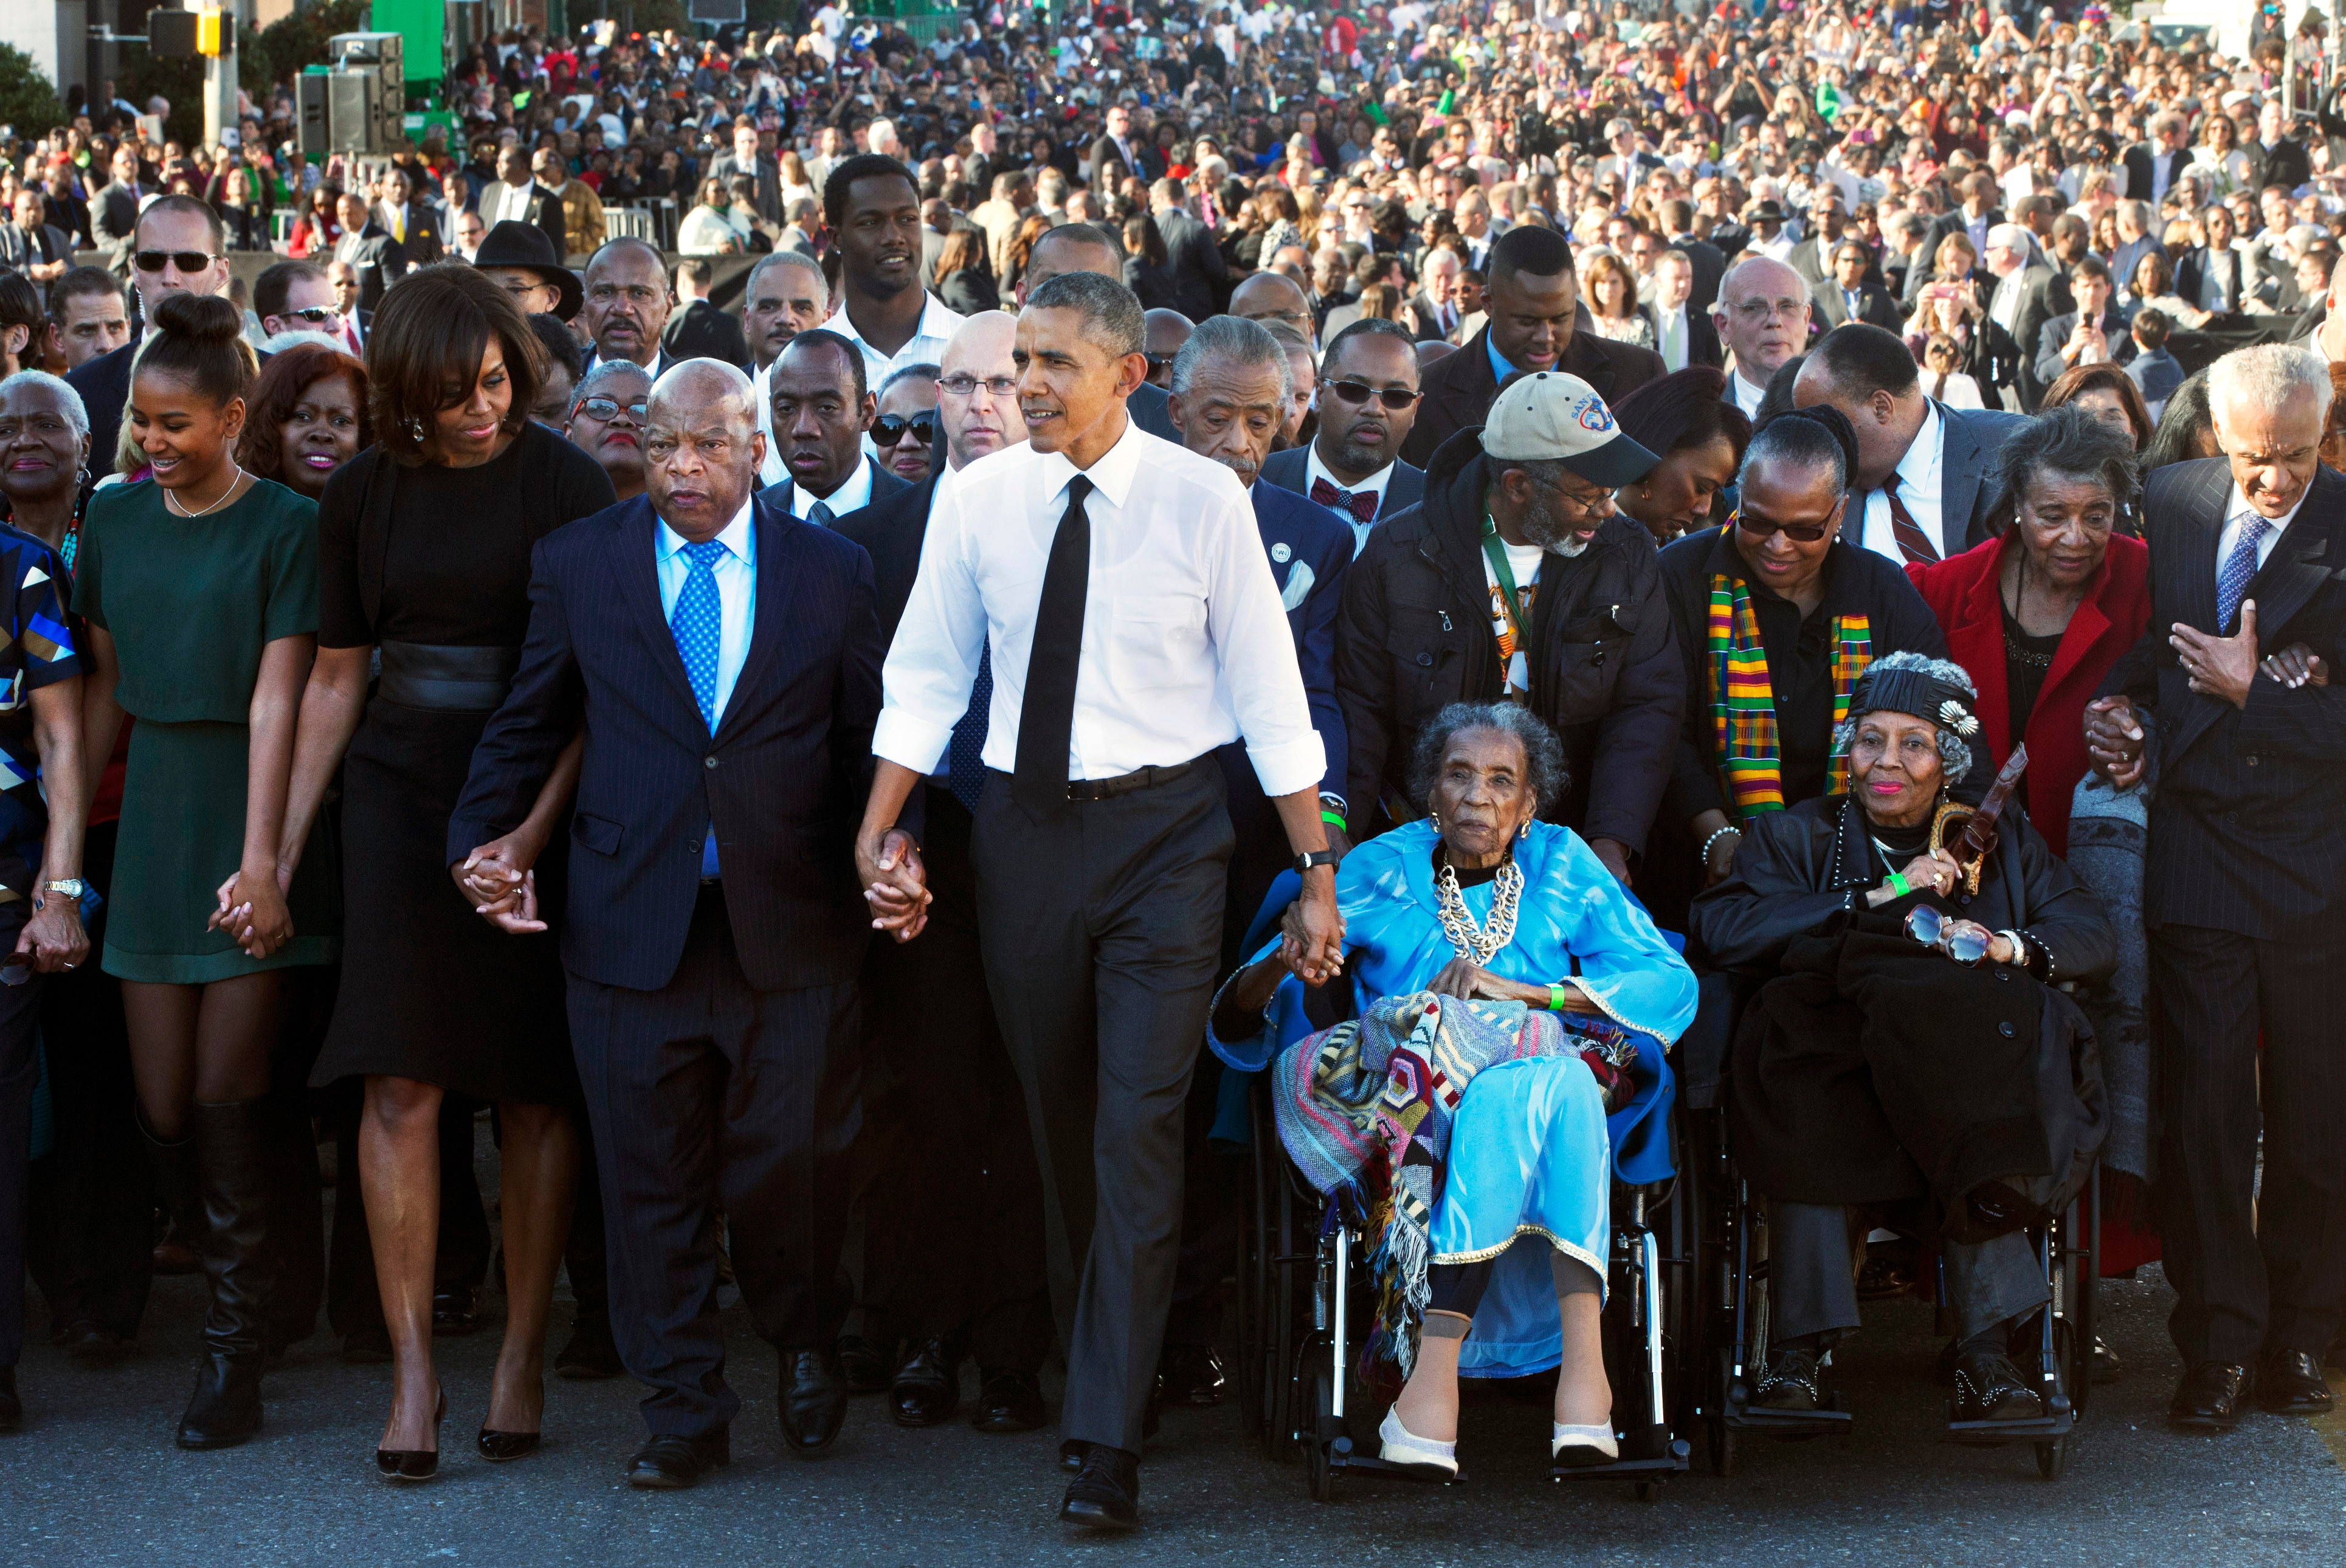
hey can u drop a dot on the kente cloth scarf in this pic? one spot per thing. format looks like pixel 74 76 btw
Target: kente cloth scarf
pixel 1365 1110
pixel 1743 703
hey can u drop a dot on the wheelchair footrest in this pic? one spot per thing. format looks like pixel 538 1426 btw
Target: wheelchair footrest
pixel 1788 1423
pixel 1672 1461
pixel 1368 1466
pixel 2031 1429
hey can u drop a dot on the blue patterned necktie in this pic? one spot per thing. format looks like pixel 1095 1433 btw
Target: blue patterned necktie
pixel 697 623
pixel 964 758
pixel 2239 567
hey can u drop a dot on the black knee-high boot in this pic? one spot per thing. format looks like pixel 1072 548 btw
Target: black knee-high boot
pixel 232 1167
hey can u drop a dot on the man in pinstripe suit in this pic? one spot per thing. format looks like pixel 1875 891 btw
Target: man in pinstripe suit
pixel 723 659
pixel 2242 891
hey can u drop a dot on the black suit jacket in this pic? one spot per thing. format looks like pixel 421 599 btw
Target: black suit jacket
pixel 2244 831
pixel 1458 389
pixel 702 331
pixel 2054 336
pixel 44 243
pixel 782 781
pixel 381 261
pixel 1287 469
pixel 891 530
pixel 105 387
pixel 2284 163
pixel 884 485
pixel 1709 266
pixel 1147 408
pixel 1199 273
pixel 1875 306
pixel 2191 272
pixel 1108 160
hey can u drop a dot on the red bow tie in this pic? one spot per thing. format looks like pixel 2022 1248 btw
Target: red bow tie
pixel 1361 503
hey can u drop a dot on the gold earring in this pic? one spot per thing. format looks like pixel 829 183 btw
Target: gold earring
pixel 1437 819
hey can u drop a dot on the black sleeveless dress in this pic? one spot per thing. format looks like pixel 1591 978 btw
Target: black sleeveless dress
pixel 430 990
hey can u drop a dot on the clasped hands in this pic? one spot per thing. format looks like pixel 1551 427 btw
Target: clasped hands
pixel 2222 667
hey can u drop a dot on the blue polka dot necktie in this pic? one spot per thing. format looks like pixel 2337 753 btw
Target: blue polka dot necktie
pixel 2240 566
pixel 965 757
pixel 697 623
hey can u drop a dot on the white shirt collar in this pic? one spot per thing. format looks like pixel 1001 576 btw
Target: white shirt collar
pixel 854 494
pixel 1918 471
pixel 1743 389
pixel 1315 469
pixel 2238 510
pixel 1112 475
pixel 936 322
pixel 735 537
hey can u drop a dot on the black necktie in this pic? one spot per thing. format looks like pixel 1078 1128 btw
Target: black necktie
pixel 1046 715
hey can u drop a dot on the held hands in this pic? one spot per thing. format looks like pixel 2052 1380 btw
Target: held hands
pixel 54 937
pixel 2297 667
pixel 253 911
pixel 896 883
pixel 1312 933
pixel 2221 666
pixel 498 880
pixel 1615 856
pixel 2114 741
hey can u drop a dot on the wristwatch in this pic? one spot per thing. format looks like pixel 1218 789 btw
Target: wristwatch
pixel 1311 858
pixel 71 887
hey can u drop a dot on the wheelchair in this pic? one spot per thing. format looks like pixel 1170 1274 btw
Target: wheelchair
pixel 1727 1222
pixel 1306 1301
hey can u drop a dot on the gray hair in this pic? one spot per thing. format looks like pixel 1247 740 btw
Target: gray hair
pixel 790 258
pixel 608 371
pixel 1245 344
pixel 2266 375
pixel 2069 442
pixel 1954 751
pixel 69 402
pixel 911 372
pixel 1544 766
pixel 1111 312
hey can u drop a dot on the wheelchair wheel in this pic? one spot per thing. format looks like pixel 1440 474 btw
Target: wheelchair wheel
pixel 1323 1408
pixel 2053 1457
pixel 1721 1437
pixel 1254 1277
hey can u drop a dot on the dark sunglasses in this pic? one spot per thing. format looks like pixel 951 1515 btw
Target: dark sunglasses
pixel 1358 393
pixel 1761 530
pixel 890 428
pixel 608 408
pixel 1931 929
pixel 316 315
pixel 185 261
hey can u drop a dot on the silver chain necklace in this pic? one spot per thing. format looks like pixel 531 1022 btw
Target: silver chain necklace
pixel 1470 941
pixel 181 507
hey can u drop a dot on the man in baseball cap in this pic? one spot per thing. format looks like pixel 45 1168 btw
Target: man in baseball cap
pixel 1515 576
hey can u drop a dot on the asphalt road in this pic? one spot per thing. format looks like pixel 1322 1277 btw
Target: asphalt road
pixel 93 1481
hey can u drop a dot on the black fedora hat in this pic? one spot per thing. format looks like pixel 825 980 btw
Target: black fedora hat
pixel 517 244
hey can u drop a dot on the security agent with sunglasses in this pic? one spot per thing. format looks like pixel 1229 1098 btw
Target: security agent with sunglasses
pixel 179 247
pixel 1515 576
pixel 821 409
pixel 1368 401
pixel 1776 617
pixel 1914 1012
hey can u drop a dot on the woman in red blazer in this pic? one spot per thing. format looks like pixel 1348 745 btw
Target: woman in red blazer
pixel 2042 613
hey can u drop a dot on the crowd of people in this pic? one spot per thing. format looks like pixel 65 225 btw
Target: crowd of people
pixel 1184 526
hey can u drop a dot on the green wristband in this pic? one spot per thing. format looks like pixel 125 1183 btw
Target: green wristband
pixel 1554 998
pixel 1898 885
pixel 1333 820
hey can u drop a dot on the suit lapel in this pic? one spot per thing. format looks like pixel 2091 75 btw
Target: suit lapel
pixel 776 614
pixel 634 566
pixel 2299 564
pixel 2203 527
pixel 1958 481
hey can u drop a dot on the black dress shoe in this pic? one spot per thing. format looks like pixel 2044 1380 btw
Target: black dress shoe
pixel 92 1344
pixel 12 1407
pixel 867 1369
pixel 1009 1401
pixel 414 1465
pixel 1105 1493
pixel 1789 1383
pixel 1989 1387
pixel 927 1388
pixel 2290 1384
pixel 673 1463
pixel 814 1400
pixel 590 1356
pixel 2106 1367
pixel 2209 1398
pixel 1190 1375
pixel 456 1309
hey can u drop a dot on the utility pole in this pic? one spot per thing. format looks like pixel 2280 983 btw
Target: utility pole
pixel 215 41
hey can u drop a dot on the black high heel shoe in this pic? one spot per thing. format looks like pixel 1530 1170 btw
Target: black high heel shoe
pixel 414 1465
pixel 503 1448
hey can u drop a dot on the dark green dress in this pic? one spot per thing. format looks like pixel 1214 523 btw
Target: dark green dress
pixel 190 603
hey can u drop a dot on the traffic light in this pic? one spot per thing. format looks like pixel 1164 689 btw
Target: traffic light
pixel 170 33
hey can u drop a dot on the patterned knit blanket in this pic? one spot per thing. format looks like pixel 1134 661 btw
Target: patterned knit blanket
pixel 1365 1110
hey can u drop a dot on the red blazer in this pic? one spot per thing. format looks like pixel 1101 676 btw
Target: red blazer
pixel 1963 590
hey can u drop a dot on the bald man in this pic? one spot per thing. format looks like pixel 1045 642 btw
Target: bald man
pixel 1762 317
pixel 1080 248
pixel 722 658
pixel 953 1259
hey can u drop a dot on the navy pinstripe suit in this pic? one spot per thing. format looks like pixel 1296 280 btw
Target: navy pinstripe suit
pixel 2245 892
pixel 716 1026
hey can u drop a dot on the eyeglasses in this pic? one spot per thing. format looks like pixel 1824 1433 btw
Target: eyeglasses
pixel 966 385
pixel 316 315
pixel 1761 528
pixel 1358 393
pixel 608 408
pixel 1959 940
pixel 890 428
pixel 185 261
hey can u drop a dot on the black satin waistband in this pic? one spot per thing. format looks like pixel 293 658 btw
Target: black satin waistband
pixel 457 679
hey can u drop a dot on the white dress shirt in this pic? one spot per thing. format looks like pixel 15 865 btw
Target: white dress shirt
pixel 1185 645
pixel 1920 481
pixel 1314 470
pixel 1747 396
pixel 736 571
pixel 926 347
pixel 854 494
pixel 2236 516
pixel 513 206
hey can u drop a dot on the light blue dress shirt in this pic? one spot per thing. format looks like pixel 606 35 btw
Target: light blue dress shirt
pixel 1500 368
pixel 736 571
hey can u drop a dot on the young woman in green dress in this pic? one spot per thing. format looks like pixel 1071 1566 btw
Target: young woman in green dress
pixel 200 590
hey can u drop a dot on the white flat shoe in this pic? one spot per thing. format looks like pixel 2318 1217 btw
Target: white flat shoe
pixel 1582 1445
pixel 1398 1445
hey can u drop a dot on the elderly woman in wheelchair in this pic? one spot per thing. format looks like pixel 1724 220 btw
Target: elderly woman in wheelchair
pixel 1908 1057
pixel 1514 1004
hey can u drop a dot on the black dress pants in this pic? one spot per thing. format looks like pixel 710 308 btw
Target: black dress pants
pixel 20 1069
pixel 1103 927
pixel 954 1239
pixel 709 1097
pixel 2253 1273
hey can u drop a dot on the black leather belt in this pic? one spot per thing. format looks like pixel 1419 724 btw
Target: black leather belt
pixel 1125 784
pixel 455 679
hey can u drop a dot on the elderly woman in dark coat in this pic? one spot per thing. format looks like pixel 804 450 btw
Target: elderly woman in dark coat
pixel 1909 1010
